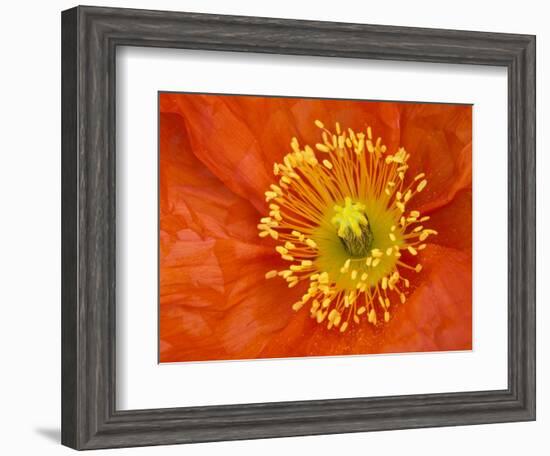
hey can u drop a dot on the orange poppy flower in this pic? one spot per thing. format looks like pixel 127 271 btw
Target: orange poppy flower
pixel 224 292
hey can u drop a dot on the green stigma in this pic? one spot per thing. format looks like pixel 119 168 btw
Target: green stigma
pixel 353 228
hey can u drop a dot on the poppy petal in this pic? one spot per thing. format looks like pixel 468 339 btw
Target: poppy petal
pixel 438 137
pixel 223 143
pixel 215 302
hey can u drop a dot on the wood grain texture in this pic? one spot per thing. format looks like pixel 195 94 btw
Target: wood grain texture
pixel 89 39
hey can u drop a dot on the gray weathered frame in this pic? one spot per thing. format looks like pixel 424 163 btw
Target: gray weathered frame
pixel 90 36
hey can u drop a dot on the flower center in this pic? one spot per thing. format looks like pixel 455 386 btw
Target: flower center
pixel 353 228
pixel 343 224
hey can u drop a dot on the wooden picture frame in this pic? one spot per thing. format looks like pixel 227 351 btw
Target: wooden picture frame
pixel 90 36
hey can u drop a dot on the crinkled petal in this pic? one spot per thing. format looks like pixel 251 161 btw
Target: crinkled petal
pixel 222 306
pixel 439 139
pixel 215 302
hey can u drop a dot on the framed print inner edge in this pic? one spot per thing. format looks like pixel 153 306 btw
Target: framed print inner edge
pixel 90 37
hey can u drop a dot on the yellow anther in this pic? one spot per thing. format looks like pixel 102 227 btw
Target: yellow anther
pixel 311 243
pixel 276 215
pixel 372 316
pixel 319 124
pixel 392 236
pixel 327 164
pixel 377 253
pixel 412 250
pixel 320 316
pixel 314 306
pixel 422 185
pixel 323 277
pixel 353 274
pixel 344 326
pixel 276 189
pixel 370 147
pixel 322 147
pixel 271 274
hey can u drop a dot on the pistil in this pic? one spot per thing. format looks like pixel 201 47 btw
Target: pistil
pixel 353 228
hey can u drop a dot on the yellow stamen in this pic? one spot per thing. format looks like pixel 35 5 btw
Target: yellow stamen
pixel 270 274
pixel 343 222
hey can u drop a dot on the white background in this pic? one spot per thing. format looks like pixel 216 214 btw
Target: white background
pixel 30 239
pixel 144 384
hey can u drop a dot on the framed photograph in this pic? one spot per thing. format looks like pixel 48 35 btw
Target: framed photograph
pixel 278 227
